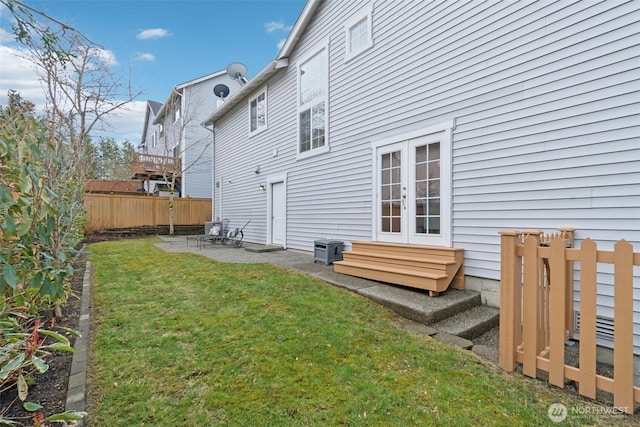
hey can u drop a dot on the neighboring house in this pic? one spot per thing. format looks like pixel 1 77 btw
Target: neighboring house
pixel 149 142
pixel 174 138
pixel 441 123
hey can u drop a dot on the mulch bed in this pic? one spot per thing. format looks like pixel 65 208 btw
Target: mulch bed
pixel 50 389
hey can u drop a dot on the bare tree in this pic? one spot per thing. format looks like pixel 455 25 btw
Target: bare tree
pixel 81 91
pixel 181 135
pixel 81 94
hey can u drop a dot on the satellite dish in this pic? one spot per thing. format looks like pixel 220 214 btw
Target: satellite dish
pixel 221 90
pixel 237 71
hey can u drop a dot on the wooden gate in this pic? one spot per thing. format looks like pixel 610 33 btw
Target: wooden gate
pixel 538 269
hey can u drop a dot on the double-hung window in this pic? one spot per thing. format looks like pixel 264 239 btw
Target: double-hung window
pixel 154 139
pixel 258 112
pixel 313 77
pixel 358 33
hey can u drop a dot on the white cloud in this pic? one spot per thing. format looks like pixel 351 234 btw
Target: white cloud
pixel 19 74
pixel 276 26
pixel 128 123
pixel 144 56
pixel 105 55
pixel 153 33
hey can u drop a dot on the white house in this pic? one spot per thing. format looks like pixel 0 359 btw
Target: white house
pixel 174 130
pixel 441 123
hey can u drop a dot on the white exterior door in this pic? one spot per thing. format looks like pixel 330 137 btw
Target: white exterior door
pixel 278 211
pixel 412 190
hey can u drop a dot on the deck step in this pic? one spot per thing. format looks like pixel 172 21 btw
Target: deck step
pixel 424 267
pixel 436 282
pixel 470 323
pixel 413 262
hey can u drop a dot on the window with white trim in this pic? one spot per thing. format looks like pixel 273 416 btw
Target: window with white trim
pixel 177 109
pixel 258 112
pixel 154 140
pixel 358 33
pixel 313 78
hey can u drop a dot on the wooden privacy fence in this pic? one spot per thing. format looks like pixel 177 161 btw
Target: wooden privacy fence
pixel 536 310
pixel 125 211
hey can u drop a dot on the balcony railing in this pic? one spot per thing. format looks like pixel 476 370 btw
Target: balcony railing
pixel 150 166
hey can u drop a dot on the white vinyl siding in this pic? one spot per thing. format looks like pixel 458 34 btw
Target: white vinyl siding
pixel 544 97
pixel 258 112
pixel 313 103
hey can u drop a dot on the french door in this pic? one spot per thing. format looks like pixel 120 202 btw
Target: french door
pixel 412 191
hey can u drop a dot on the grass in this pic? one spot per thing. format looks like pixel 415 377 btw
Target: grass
pixel 181 340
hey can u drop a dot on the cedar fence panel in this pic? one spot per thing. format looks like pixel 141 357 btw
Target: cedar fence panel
pixel 538 269
pixel 107 211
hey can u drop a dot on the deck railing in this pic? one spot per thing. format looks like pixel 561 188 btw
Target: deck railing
pixel 151 164
pixel 536 311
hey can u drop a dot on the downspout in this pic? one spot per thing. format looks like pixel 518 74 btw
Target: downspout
pixel 214 190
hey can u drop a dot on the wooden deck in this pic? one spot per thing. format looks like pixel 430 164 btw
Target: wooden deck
pixel 425 267
pixel 150 166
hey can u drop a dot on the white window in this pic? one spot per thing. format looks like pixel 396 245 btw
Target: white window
pixel 154 140
pixel 312 103
pixel 161 130
pixel 258 112
pixel 177 110
pixel 358 33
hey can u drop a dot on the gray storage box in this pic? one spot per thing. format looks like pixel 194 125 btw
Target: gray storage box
pixel 327 251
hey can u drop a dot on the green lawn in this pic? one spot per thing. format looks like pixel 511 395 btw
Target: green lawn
pixel 181 340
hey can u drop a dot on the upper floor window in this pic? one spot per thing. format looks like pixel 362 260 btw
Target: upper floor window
pixel 161 130
pixel 312 102
pixel 177 109
pixel 258 112
pixel 154 140
pixel 359 33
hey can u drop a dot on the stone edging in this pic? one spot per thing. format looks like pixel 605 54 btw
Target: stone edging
pixel 76 389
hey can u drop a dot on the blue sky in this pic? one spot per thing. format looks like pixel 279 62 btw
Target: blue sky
pixel 159 43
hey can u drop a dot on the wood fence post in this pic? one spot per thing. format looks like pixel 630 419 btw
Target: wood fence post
pixel 510 298
pixel 588 292
pixel 623 398
pixel 568 233
pixel 531 302
pixel 557 306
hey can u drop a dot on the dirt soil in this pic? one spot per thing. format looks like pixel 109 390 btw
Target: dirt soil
pixel 50 388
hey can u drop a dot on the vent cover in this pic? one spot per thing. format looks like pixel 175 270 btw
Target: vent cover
pixel 604 326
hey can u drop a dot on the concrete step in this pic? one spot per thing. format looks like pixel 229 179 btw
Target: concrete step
pixel 418 306
pixel 470 323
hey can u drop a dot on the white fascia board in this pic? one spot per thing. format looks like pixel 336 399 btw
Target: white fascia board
pixel 298 28
pixel 243 92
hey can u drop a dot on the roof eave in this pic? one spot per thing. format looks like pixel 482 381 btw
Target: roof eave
pixel 301 24
pixel 241 94
pixel 281 61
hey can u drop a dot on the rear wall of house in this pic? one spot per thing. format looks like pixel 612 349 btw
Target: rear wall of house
pixel 545 97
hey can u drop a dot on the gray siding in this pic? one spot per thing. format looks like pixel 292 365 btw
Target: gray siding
pixel 197 151
pixel 194 141
pixel 545 97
